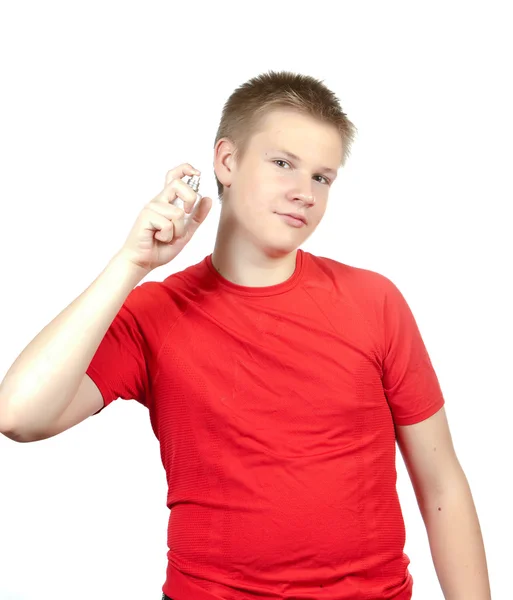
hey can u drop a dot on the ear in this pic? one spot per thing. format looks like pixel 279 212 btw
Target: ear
pixel 224 161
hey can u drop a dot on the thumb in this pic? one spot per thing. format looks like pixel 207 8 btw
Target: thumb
pixel 199 214
pixel 201 210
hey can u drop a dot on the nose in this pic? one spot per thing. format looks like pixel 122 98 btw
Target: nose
pixel 304 192
pixel 306 198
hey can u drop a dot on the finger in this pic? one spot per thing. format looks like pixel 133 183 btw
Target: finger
pixel 181 171
pixel 178 189
pixel 162 227
pixel 171 214
pixel 166 235
pixel 170 211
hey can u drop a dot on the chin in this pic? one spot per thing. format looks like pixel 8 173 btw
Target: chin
pixel 279 240
pixel 280 248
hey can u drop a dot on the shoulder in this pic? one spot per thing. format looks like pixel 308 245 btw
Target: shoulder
pixel 168 297
pixel 357 279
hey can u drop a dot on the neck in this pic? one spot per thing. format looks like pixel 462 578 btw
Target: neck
pixel 242 263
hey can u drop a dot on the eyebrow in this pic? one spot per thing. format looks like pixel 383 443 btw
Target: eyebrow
pixel 292 156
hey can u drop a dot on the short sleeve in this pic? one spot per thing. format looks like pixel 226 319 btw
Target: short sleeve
pixel 409 379
pixel 119 367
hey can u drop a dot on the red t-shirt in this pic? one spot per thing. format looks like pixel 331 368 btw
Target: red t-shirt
pixel 275 410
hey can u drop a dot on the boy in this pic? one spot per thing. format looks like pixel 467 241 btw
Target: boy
pixel 277 382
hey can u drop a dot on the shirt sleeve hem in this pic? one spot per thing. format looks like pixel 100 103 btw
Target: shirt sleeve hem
pixel 422 416
pixel 101 385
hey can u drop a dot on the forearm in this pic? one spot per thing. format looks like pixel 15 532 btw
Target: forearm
pixel 456 542
pixel 45 377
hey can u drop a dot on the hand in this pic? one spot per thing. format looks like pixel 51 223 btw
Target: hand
pixel 160 232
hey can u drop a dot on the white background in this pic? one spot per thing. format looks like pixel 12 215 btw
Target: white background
pixel 100 99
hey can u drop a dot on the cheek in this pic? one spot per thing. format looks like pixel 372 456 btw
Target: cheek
pixel 259 194
pixel 318 211
pixel 253 203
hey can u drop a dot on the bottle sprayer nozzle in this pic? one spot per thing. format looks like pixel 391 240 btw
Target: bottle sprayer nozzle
pixel 194 182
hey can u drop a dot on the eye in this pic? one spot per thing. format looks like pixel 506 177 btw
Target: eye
pixel 281 161
pixel 325 179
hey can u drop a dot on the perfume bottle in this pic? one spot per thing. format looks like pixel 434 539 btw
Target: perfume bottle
pixel 192 182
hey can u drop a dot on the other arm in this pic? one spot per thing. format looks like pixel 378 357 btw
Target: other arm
pixel 447 508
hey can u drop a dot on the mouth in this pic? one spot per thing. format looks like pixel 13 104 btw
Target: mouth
pixel 294 219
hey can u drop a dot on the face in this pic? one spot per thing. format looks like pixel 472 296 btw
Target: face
pixel 289 167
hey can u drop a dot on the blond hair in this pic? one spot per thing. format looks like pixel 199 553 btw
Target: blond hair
pixel 245 109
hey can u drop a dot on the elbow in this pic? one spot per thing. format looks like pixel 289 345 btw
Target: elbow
pixel 17 437
pixel 10 429
pixel 17 434
pixel 14 433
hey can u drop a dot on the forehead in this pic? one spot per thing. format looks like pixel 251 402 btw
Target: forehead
pixel 301 136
